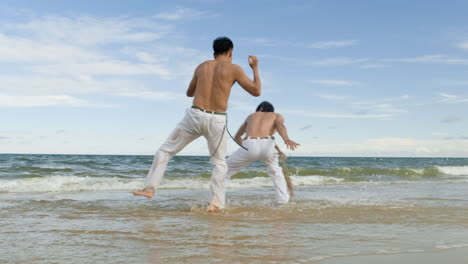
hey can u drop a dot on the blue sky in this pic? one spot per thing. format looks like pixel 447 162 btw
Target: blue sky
pixel 351 78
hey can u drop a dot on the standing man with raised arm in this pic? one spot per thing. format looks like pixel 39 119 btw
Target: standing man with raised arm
pixel 210 86
pixel 259 144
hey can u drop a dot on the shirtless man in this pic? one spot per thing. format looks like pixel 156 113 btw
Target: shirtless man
pixel 259 144
pixel 210 86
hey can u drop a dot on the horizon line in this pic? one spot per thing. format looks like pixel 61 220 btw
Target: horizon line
pixel 194 155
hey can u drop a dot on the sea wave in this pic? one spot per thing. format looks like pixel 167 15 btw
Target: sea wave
pixel 68 184
pixel 356 173
pixel 80 184
pixel 453 170
pixel 63 178
pixel 348 174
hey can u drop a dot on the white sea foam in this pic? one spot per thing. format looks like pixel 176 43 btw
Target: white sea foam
pixel 454 170
pixel 69 184
pixel 314 180
pixel 78 184
pixel 297 180
pixel 445 246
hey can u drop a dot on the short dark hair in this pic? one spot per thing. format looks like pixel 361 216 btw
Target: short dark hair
pixel 265 107
pixel 222 45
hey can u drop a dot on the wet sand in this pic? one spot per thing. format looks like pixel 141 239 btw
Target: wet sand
pixel 173 227
pixel 449 256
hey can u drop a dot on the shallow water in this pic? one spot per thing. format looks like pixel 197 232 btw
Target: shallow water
pixel 74 213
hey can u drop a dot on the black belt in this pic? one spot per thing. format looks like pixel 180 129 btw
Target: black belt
pixel 209 112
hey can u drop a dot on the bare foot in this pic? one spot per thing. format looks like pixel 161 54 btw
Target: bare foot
pixel 213 209
pixel 145 193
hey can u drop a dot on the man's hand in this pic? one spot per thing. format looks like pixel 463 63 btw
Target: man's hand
pixel 253 62
pixel 291 144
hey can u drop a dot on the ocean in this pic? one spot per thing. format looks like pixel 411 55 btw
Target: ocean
pixel 79 209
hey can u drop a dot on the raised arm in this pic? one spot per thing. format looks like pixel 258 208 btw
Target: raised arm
pixel 240 132
pixel 252 87
pixel 279 125
pixel 193 85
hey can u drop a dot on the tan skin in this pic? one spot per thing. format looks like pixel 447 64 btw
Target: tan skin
pixel 264 124
pixel 211 87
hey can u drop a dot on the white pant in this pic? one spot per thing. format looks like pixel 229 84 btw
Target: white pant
pixel 263 150
pixel 196 123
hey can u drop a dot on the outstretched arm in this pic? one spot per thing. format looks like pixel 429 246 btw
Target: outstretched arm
pixel 279 125
pixel 240 132
pixel 252 87
pixel 192 86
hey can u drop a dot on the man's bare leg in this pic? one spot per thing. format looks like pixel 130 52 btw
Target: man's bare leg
pixel 145 193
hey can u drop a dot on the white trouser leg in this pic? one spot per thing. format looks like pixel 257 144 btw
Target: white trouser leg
pixel 178 139
pixel 276 174
pixel 237 161
pixel 216 137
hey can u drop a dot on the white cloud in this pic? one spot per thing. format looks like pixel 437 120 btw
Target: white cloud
pixel 452 99
pixel 393 144
pixel 337 115
pixel 417 146
pixel 333 44
pixel 377 109
pixel 53 58
pixel 463 45
pixel 87 30
pixel 439 134
pixel 456 138
pixel 392 147
pixel 334 97
pixel 384 108
pixel 266 42
pixel 332 61
pixel 332 82
pixel 58 57
pixel 145 57
pixel 17 87
pixel 373 66
pixel 40 85
pixel 337 61
pixel 30 50
pixel 44 100
pixel 454 83
pixel 105 67
pixel 150 95
pixel 434 59
pixel 181 13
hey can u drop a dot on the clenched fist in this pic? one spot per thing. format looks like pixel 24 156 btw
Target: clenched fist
pixel 253 61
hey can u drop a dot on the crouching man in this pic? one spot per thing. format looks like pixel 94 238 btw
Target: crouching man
pixel 258 144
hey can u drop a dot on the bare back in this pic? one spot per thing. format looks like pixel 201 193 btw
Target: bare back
pixel 261 124
pixel 264 124
pixel 214 80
